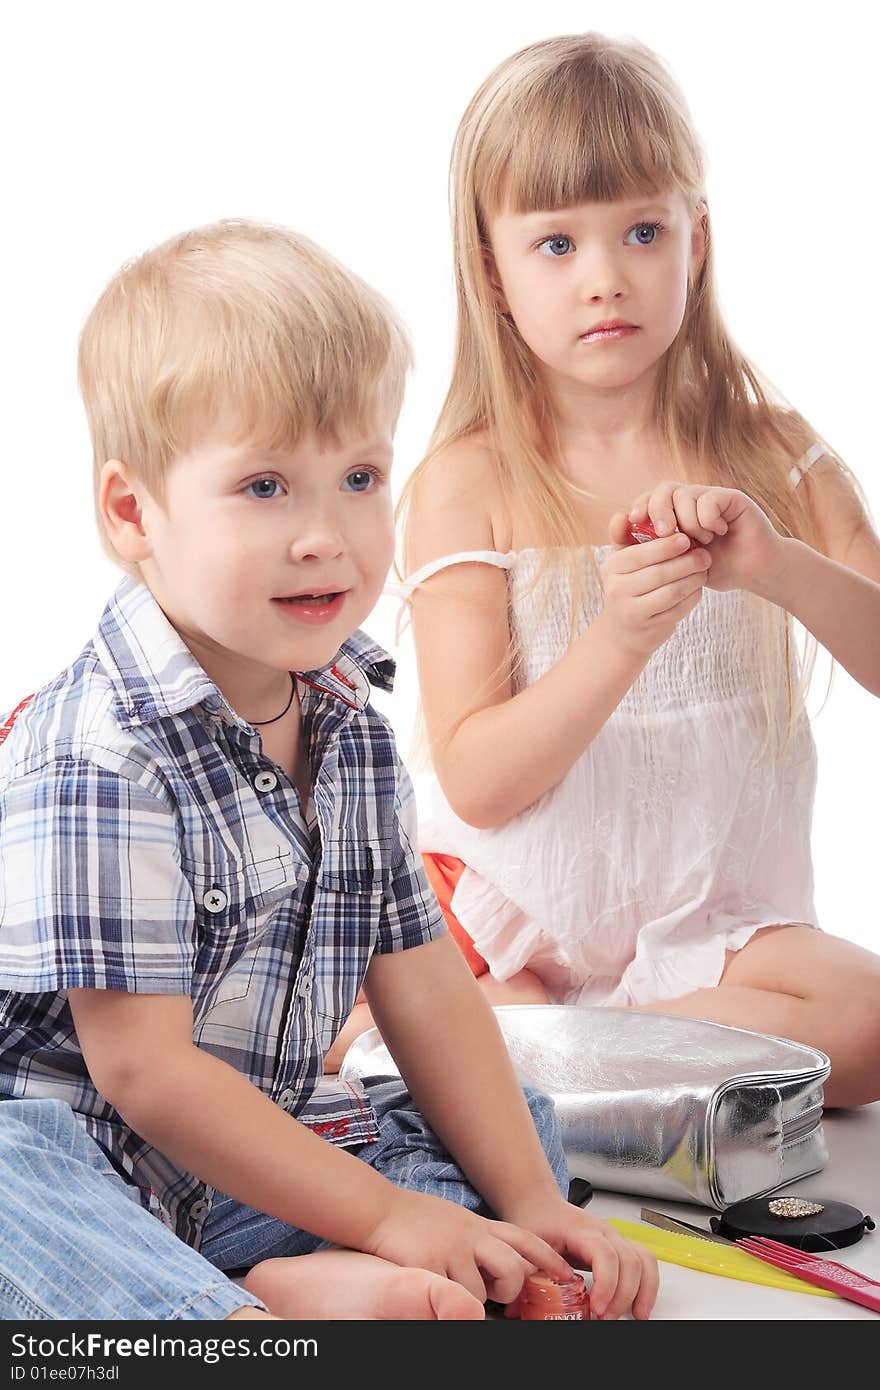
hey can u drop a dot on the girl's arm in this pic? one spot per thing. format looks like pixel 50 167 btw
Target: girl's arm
pixel 835 594
pixel 834 590
pixel 496 753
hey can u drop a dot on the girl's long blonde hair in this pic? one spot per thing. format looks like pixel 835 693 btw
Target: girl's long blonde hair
pixel 580 118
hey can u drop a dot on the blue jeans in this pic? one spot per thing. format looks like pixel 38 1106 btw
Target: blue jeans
pixel 407 1152
pixel 75 1242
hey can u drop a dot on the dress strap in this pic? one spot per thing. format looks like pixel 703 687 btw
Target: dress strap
pixel 503 560
pixel 813 454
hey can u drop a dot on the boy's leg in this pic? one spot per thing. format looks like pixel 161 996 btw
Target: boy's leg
pixel 324 1283
pixel 409 1153
pixel 75 1243
pixel 298 1275
pixel 346 1284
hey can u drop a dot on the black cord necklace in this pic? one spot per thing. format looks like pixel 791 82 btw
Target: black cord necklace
pixel 261 723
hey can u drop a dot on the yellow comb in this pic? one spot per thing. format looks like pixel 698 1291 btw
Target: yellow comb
pixel 726 1260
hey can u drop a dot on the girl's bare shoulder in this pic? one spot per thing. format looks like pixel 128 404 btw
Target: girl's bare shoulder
pixel 455 503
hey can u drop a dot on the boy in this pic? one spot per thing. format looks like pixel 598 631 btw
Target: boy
pixel 205 830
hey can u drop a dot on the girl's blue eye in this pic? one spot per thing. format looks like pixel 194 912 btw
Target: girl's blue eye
pixel 262 488
pixel 362 479
pixel 646 233
pixel 556 246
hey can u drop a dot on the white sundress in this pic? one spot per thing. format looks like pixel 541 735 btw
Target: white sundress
pixel 670 840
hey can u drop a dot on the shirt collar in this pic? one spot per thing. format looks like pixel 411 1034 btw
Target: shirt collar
pixel 154 674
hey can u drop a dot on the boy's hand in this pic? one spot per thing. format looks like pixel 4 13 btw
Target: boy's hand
pixel 625 1276
pixel 650 587
pixel 488 1258
pixel 746 550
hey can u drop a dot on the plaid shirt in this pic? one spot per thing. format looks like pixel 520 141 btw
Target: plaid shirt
pixel 147 845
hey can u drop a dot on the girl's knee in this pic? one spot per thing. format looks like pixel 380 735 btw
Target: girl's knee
pixel 853 1046
pixel 864 1027
pixel 530 988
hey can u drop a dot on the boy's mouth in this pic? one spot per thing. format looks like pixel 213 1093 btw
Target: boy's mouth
pixel 317 606
pixel 324 597
pixel 320 591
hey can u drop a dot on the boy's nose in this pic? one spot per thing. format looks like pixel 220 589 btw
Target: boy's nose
pixel 318 541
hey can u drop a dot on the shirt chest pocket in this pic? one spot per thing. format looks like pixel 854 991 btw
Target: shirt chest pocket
pixel 235 901
pixel 344 924
pixel 352 867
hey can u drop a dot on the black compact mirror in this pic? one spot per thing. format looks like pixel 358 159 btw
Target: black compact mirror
pixel 831 1227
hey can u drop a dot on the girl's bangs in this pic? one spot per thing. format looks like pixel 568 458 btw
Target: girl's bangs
pixel 576 140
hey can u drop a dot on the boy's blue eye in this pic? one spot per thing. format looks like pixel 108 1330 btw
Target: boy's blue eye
pixel 646 233
pixel 263 488
pixel 556 246
pixel 361 480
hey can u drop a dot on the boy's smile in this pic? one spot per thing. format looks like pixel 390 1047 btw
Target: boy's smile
pixel 265 562
pixel 316 606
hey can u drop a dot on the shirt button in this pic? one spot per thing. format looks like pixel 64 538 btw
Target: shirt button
pixel 285 1100
pixel 265 782
pixel 215 900
pixel 198 1210
pixel 306 986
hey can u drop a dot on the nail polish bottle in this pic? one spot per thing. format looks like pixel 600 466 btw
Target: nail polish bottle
pixel 545 1298
pixel 644 531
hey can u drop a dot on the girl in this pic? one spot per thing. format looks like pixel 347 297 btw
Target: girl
pixel 625 767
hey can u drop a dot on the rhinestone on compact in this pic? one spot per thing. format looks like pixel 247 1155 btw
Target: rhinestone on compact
pixel 794 1206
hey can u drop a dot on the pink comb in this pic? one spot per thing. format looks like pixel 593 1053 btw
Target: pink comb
pixel 826 1274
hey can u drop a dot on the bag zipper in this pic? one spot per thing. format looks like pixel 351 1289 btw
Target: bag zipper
pixel 801 1125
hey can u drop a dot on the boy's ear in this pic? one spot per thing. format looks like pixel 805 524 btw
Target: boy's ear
pixel 120 507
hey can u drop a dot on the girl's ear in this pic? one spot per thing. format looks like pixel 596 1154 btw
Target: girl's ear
pixel 495 281
pixel 699 238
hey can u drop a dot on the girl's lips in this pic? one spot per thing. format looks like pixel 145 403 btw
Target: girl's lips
pixel 608 335
pixel 313 611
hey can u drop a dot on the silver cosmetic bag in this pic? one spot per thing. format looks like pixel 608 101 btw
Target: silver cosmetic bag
pixel 661 1106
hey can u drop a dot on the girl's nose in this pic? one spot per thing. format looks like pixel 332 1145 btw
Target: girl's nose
pixel 603 279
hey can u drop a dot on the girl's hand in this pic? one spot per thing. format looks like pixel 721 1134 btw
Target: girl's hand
pixel 746 550
pixel 488 1258
pixel 650 587
pixel 625 1276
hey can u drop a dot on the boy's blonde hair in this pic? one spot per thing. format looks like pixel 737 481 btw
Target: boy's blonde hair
pixel 581 118
pixel 242 318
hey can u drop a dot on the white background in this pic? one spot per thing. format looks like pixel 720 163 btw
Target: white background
pixel 127 122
